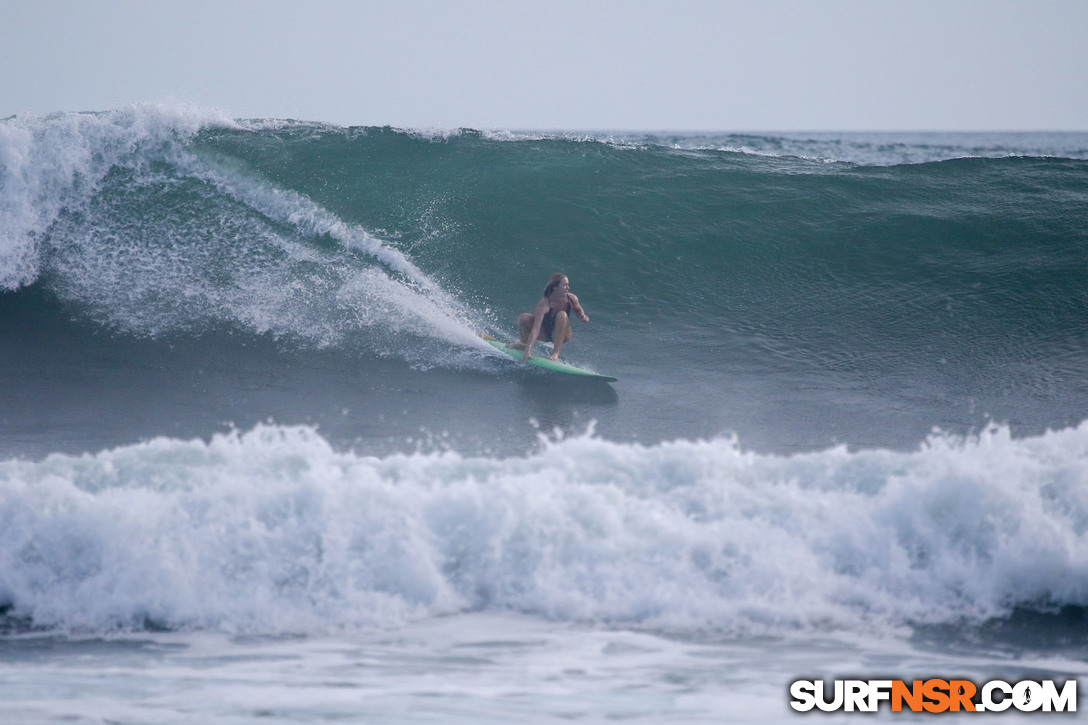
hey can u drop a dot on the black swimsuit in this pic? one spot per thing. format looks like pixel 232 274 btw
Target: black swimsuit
pixel 547 325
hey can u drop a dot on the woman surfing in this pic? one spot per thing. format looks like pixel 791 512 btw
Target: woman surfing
pixel 550 321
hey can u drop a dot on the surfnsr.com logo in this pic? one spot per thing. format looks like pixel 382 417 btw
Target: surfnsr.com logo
pixel 934 695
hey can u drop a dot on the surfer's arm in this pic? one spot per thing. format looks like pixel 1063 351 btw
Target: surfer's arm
pixel 576 306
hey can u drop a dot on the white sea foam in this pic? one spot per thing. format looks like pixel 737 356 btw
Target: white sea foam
pixel 273 531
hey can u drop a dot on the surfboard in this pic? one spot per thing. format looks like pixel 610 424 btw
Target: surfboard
pixel 557 366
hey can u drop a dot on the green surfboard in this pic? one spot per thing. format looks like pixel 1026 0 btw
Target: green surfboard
pixel 553 365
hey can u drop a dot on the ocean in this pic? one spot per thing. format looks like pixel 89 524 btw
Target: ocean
pixel 257 465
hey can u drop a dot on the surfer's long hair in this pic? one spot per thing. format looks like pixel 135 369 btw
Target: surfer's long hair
pixel 553 282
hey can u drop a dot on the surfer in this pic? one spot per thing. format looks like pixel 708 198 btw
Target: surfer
pixel 550 321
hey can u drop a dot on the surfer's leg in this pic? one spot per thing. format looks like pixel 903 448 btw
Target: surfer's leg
pixel 525 328
pixel 561 334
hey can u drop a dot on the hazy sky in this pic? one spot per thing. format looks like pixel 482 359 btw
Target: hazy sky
pixel 722 65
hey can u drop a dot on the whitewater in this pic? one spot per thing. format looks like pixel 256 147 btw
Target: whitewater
pixel 273 531
pixel 256 464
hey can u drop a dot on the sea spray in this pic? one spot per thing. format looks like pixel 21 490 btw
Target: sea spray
pixel 55 164
pixel 126 220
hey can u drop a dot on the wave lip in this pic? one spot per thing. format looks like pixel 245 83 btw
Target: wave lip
pixel 56 163
pixel 273 531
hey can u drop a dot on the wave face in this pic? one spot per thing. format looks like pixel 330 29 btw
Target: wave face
pixel 858 288
pixel 273 531
pixel 152 220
